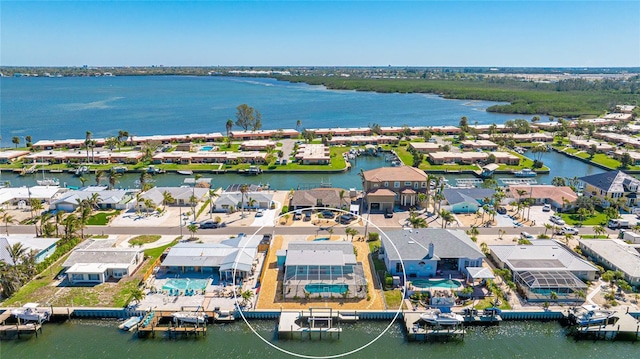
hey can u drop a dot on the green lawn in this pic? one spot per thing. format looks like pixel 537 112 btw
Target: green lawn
pixel 597 219
pixel 488 303
pixel 28 292
pixel 144 239
pixel 393 298
pixel 102 218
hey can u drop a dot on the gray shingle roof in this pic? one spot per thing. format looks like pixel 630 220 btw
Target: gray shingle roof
pixel 413 244
pixel 620 255
pixel 612 181
pixel 543 255
pixel 458 195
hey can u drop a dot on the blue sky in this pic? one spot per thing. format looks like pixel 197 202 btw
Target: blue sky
pixel 321 33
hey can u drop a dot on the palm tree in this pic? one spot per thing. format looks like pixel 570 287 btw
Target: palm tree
pixel 137 294
pixel 36 207
pixel 166 199
pixel 7 219
pixel 99 176
pixel 547 226
pixel 599 230
pixel 243 190
pixel 71 224
pixel 415 221
pixel 229 126
pixel 87 143
pixel 16 252
pixel 246 296
pixel 59 218
pixel 113 178
pixel 446 217
pixel 122 136
pixel 193 201
pixel 212 194
pixel 298 124
pixel 192 228
pixel 83 181
pixel 149 205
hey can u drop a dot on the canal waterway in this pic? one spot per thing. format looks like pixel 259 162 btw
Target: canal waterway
pixel 91 339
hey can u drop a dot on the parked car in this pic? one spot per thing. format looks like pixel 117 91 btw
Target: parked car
pixel 557 220
pixel 567 230
pixel 388 213
pixel 297 215
pixel 327 214
pixel 346 218
pixel 208 225
pixel 527 236
pixel 260 212
pixel 307 216
pixel 546 208
pixel 502 210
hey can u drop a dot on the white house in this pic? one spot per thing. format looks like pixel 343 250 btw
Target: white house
pixel 98 261
pixel 107 199
pixel 425 251
pixel 251 200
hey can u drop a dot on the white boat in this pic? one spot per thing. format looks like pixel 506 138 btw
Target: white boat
pixel 30 312
pixel 130 323
pixel 525 172
pixel 436 317
pixel 48 182
pixel 591 315
pixel 190 317
pixel 81 170
pixel 185 172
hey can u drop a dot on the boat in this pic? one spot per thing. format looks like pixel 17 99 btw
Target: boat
pixel 119 169
pixel 154 170
pixel 488 170
pixel 81 170
pixel 190 317
pixel 525 172
pixel 185 172
pixel 437 317
pixel 30 312
pixel 130 323
pixel 590 314
pixel 48 182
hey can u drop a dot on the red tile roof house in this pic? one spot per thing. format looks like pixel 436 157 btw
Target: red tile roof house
pixel 561 198
pixel 386 187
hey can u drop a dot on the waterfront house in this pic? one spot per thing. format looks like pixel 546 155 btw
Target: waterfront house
pixel 615 255
pixel 425 147
pixel 221 260
pixel 544 267
pixel 585 145
pixel 181 195
pixel 635 156
pixel 264 134
pixel 386 187
pixel 519 137
pixel 485 145
pixel 11 156
pixel 319 197
pixel 321 268
pixel 442 157
pixel 360 140
pixel 229 201
pixel 41 247
pixel 22 196
pixel 561 198
pixel 428 251
pixel 107 199
pixel 313 154
pixel 257 145
pixel 466 200
pixel 96 261
pixel 612 184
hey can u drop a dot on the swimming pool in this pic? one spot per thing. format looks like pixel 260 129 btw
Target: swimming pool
pixel 185 283
pixel 206 148
pixel 437 283
pixel 322 239
pixel 326 288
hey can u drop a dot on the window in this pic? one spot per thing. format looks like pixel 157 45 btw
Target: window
pixel 76 277
pixel 94 277
pixel 396 184
pixel 415 185
pixel 386 184
pixel 407 183
pixel 423 184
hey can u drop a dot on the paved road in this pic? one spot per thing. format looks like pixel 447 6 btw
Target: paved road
pixel 338 229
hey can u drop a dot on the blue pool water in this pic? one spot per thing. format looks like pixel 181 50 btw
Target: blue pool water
pixel 206 148
pixel 322 239
pixel 324 288
pixel 437 283
pixel 187 283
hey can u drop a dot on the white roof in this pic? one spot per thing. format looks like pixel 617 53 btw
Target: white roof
pixel 542 255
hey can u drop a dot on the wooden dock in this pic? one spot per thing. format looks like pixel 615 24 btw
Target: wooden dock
pixel 314 322
pixel 162 322
pixel 625 327
pixel 13 330
pixel 418 330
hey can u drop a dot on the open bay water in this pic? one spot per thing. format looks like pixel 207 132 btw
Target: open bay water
pixel 79 339
pixel 67 107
